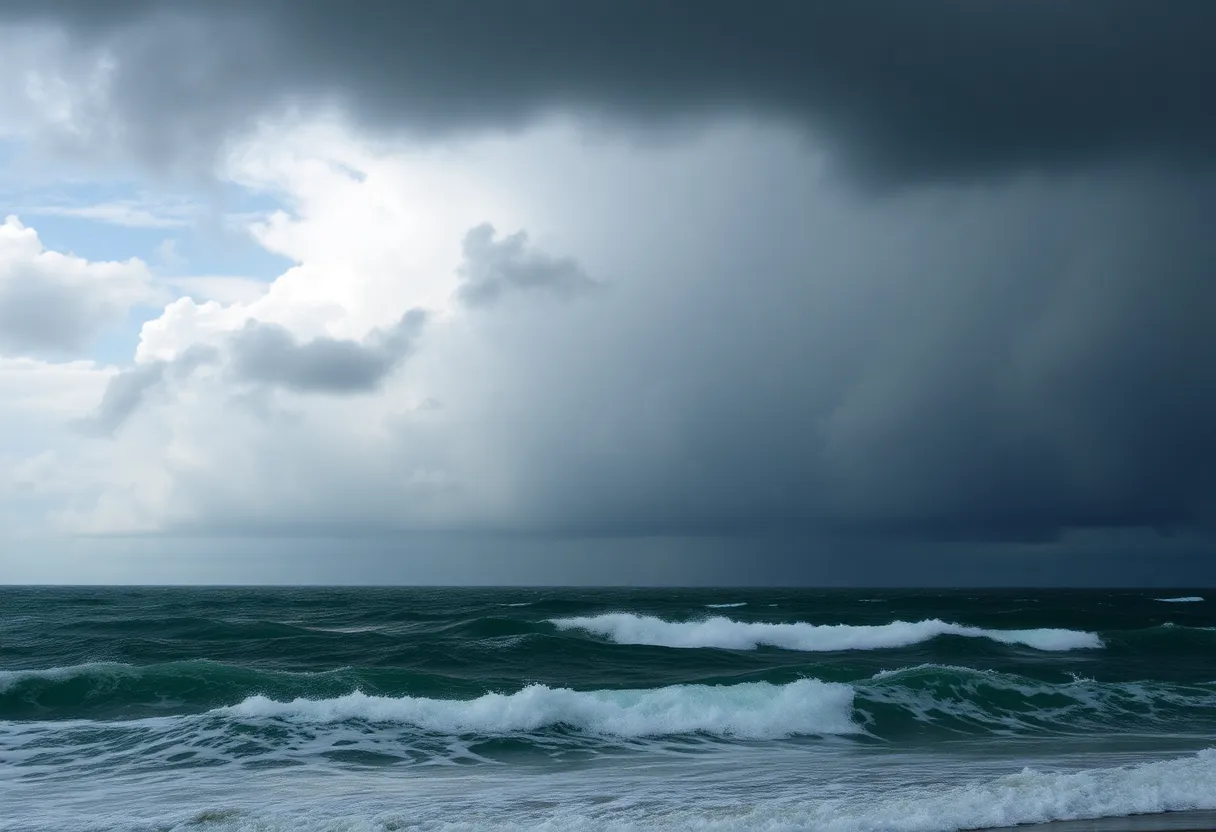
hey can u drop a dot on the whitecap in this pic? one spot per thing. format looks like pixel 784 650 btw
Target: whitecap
pixel 727 634
pixel 752 710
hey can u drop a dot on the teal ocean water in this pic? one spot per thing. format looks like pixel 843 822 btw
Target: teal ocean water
pixel 572 709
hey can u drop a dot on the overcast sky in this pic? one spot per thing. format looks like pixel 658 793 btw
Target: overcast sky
pixel 608 291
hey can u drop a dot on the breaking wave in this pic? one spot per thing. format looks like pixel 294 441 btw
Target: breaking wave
pixel 728 634
pixel 756 710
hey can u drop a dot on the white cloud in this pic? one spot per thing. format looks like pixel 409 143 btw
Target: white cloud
pixel 127 213
pixel 62 392
pixel 57 302
pixel 454 438
pixel 40 405
pixel 223 289
pixel 374 234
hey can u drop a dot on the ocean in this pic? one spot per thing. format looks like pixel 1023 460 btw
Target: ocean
pixel 213 709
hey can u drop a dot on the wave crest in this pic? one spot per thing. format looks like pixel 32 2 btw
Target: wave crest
pixel 755 710
pixel 728 634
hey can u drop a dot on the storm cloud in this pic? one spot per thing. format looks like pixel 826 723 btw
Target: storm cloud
pixel 791 363
pixel 898 92
pixel 967 368
pixel 881 276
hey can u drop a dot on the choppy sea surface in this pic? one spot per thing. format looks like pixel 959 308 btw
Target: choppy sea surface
pixel 572 709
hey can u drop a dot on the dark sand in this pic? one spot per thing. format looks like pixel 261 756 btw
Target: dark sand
pixel 1198 821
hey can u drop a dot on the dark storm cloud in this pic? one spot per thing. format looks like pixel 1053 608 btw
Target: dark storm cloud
pixel 493 267
pixel 268 354
pixel 899 91
pixel 952 362
pixel 944 366
pixel 956 365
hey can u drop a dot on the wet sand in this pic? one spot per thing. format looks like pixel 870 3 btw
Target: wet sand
pixel 1198 821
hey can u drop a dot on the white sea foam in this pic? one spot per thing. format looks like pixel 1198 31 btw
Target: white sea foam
pixel 1186 599
pixel 1036 797
pixel 727 634
pixel 645 803
pixel 754 710
pixel 726 606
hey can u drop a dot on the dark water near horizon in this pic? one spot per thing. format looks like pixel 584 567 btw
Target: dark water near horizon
pixel 708 709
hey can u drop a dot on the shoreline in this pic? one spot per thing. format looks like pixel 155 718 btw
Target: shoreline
pixel 1191 820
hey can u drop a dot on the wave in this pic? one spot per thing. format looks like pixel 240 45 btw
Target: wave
pixel 1186 599
pixel 119 690
pixel 362 728
pixel 726 606
pixel 354 726
pixel 963 700
pixel 753 710
pixel 888 703
pixel 728 634
pixel 12 678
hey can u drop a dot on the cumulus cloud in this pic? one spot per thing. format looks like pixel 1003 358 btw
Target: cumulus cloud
pixel 944 89
pixel 40 401
pixel 53 302
pixel 43 390
pixel 267 355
